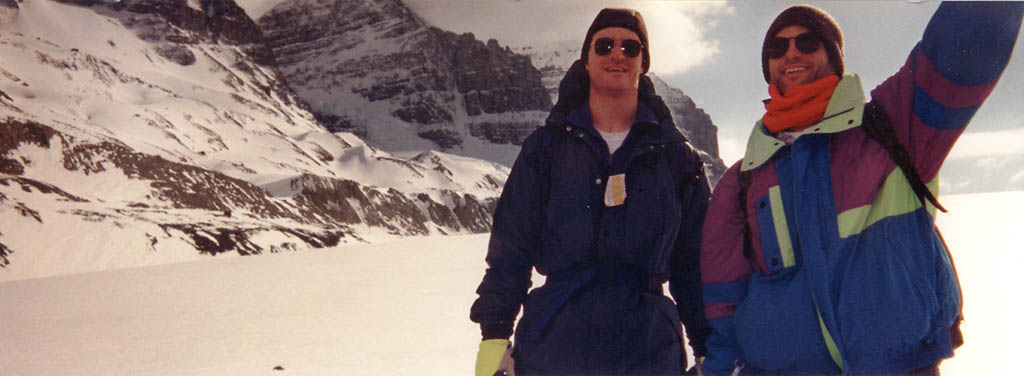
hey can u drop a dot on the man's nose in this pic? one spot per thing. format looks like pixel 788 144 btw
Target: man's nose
pixel 617 53
pixel 791 50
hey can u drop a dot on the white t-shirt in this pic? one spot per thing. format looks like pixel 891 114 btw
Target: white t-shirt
pixel 615 190
pixel 613 139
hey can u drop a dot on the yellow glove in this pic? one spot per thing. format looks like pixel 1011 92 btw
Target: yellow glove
pixel 494 355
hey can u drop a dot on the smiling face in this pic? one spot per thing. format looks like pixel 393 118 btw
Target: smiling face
pixel 795 67
pixel 614 72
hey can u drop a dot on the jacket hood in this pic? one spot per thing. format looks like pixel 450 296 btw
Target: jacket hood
pixel 574 89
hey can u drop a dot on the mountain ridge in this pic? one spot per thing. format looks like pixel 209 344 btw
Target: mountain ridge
pixel 172 132
pixel 175 141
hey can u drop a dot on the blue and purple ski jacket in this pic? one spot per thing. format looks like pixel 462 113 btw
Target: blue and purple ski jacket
pixel 848 274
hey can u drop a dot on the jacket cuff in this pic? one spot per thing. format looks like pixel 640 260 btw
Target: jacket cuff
pixel 699 351
pixel 697 341
pixel 496 331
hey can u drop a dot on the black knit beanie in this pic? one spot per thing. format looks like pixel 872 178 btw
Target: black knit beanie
pixel 625 18
pixel 815 20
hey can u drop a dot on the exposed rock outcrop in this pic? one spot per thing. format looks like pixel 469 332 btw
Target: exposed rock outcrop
pixel 323 209
pixel 375 69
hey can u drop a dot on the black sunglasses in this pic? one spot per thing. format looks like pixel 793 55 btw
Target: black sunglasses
pixel 807 43
pixel 629 47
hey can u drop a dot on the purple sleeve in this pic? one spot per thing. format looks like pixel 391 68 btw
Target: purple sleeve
pixel 964 50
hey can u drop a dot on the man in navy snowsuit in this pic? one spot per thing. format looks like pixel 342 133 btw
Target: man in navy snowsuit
pixel 607 200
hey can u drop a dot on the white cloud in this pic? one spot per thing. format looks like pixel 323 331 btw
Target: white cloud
pixel 1017 179
pixel 676 29
pixel 731 149
pixel 987 144
pixel 677 33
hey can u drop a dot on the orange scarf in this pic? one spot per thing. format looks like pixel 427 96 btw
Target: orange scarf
pixel 801 107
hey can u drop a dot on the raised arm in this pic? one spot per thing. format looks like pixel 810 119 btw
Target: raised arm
pixel 964 50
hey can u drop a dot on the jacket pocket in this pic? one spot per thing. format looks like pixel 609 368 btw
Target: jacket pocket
pixel 776 244
pixel 777 326
pixel 890 296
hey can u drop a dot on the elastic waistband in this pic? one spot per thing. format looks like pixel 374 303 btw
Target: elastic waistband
pixel 571 281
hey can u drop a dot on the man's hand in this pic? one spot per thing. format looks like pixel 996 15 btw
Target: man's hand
pixel 494 355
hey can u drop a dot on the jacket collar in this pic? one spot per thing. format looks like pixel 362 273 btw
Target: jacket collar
pixel 845 110
pixel 582 117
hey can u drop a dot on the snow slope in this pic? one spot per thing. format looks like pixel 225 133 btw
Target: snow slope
pixel 156 138
pixel 397 308
pixel 223 112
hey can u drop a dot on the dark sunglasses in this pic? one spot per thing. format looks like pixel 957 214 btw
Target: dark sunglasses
pixel 807 43
pixel 629 47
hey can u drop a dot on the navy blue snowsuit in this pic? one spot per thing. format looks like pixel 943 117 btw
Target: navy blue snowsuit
pixel 601 309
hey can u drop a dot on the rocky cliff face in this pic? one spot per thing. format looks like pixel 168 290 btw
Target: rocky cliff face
pixel 695 124
pixel 190 22
pixel 8 12
pixel 218 213
pixel 170 132
pixel 375 69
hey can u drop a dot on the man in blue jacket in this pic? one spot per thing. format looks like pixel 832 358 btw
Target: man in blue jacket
pixel 820 253
pixel 606 200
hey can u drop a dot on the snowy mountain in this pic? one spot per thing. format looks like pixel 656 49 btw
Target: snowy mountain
pixel 141 132
pixel 695 124
pixel 176 129
pixel 375 69
pixel 553 61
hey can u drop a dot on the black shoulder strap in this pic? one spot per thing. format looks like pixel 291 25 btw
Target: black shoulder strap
pixel 878 127
pixel 748 245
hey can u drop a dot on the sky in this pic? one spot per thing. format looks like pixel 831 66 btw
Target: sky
pixel 711 51
pixel 390 308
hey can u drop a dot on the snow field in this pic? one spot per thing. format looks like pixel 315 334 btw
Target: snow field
pixel 394 307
